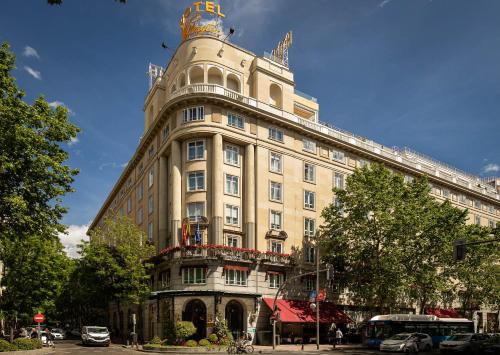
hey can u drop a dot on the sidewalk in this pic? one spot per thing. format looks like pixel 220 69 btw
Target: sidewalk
pixel 307 347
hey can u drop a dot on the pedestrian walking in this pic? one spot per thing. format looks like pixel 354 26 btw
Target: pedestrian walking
pixel 338 336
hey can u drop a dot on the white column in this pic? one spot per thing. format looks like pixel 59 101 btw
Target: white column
pixel 249 197
pixel 176 191
pixel 217 195
pixel 162 203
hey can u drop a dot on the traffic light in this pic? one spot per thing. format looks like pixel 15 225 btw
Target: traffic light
pixel 459 250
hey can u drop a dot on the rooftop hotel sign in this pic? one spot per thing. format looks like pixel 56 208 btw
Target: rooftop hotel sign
pixel 203 17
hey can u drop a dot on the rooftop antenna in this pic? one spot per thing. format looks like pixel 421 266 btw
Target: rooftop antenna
pixel 230 33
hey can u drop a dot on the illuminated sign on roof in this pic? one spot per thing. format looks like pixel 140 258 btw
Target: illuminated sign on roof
pixel 203 17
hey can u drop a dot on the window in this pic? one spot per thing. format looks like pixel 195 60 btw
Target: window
pixel 196 180
pixel 309 172
pixel 193 114
pixel 235 121
pixel 276 246
pixel 309 199
pixel 275 280
pixel 140 167
pixel 275 162
pixel 491 224
pixel 151 151
pixel 446 193
pixel 165 132
pixel 309 284
pixel 477 220
pixel 477 204
pixel 139 216
pixel 309 145
pixel 150 204
pixel 276 220
pixel 129 204
pixel 232 155
pixel 232 214
pixel 309 227
pixel 362 163
pixel 338 155
pixel 165 279
pixel 309 254
pixel 338 180
pixel 275 134
pixel 491 209
pixel 121 212
pixel 236 277
pixel 195 210
pixel 463 199
pixel 150 231
pixel 140 192
pixel 337 203
pixel 275 191
pixel 232 241
pixel 194 275
pixel 408 179
pixel 232 184
pixel 151 177
pixel 196 150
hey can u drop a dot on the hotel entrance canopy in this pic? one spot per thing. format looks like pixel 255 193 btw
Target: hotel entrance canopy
pixel 295 311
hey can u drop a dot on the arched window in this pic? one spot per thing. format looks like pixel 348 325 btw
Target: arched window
pixel 196 312
pixel 214 76
pixel 172 90
pixel 196 75
pixel 235 318
pixel 275 95
pixel 182 80
pixel 233 83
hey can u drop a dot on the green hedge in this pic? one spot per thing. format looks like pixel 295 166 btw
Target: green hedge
pixel 191 343
pixel 213 338
pixel 6 346
pixel 204 342
pixel 184 329
pixel 27 344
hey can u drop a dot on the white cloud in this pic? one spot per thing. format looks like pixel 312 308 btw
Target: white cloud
pixel 30 52
pixel 112 165
pixel 383 3
pixel 34 73
pixel 491 168
pixel 56 103
pixel 73 140
pixel 75 235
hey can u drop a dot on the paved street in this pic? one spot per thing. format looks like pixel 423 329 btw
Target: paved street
pixel 75 347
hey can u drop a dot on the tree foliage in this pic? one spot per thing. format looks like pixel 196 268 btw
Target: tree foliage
pixel 33 177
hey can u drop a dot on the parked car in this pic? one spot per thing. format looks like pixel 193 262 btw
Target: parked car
pixel 407 343
pixel 92 335
pixel 463 342
pixel 75 332
pixel 58 333
pixel 491 346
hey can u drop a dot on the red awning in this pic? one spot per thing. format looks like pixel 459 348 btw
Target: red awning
pixel 293 311
pixel 442 313
pixel 235 267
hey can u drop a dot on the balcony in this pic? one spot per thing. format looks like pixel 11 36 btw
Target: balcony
pixel 225 253
pixel 404 156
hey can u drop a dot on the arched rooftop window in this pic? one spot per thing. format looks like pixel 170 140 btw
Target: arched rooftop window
pixel 215 76
pixel 275 95
pixel 233 83
pixel 196 75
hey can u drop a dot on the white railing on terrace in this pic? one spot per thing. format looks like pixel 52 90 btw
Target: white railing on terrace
pixel 305 96
pixel 404 156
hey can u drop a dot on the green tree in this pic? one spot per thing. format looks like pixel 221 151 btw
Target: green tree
pixel 114 266
pixel 33 177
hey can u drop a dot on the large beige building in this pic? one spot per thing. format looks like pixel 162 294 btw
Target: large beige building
pixel 231 147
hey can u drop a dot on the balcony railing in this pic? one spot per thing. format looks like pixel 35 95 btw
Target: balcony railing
pixel 404 156
pixel 223 252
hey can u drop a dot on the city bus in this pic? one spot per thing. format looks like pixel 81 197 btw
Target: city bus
pixel 384 326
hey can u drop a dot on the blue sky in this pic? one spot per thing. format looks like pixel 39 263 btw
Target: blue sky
pixel 417 73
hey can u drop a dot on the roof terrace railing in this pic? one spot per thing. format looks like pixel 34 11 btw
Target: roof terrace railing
pixel 305 96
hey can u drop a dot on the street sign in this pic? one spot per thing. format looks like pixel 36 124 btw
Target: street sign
pixel 38 318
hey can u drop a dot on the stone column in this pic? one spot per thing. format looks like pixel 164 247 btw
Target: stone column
pixel 217 194
pixel 249 197
pixel 176 191
pixel 162 203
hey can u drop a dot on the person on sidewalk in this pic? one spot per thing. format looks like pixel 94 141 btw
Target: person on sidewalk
pixel 338 336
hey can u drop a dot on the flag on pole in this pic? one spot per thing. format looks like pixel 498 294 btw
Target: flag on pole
pixel 197 234
pixel 186 231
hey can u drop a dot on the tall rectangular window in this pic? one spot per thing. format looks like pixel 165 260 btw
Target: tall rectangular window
pixel 275 134
pixel 165 132
pixel 129 204
pixel 338 155
pixel 309 145
pixel 275 191
pixel 275 220
pixel 150 204
pixel 165 279
pixel 195 210
pixel 194 275
pixel 232 241
pixel 151 177
pixel 275 280
pixel 275 162
pixel 276 246
pixel 362 163
pixel 235 121
pixel 309 254
pixel 309 172
pixel 477 204
pixel 140 192
pixel 140 216
pixel 232 184
pixel 196 180
pixel 309 284
pixel 150 231
pixel 477 220
pixel 193 114
pixel 232 215
pixel 338 180
pixel 309 227
pixel 309 199
pixel 232 155
pixel 196 150
pixel 236 277
pixel 462 199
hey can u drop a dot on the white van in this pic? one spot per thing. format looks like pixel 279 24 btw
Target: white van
pixel 92 335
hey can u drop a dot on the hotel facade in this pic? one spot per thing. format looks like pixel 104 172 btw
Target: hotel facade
pixel 233 149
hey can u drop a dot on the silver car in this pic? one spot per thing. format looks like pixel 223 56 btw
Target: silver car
pixel 92 335
pixel 462 343
pixel 407 343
